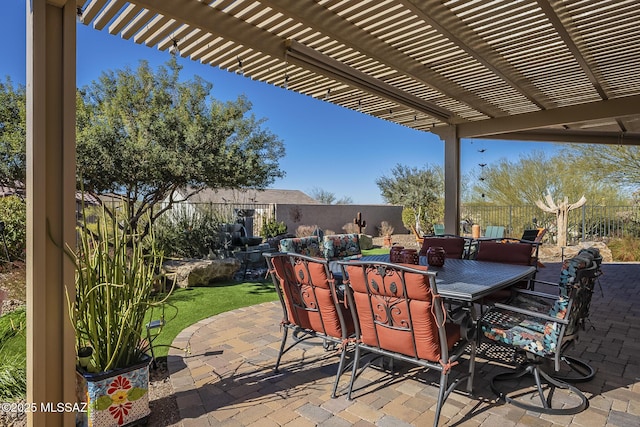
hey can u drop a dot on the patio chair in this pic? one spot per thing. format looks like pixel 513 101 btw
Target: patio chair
pixel 494 232
pixel 399 314
pixel 534 234
pixel 454 246
pixel 508 252
pixel 542 327
pixel 438 229
pixel 578 370
pixel 310 307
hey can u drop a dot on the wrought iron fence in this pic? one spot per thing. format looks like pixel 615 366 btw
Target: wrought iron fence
pixel 228 212
pixel 588 223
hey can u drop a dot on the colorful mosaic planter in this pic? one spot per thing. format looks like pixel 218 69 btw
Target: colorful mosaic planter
pixel 115 398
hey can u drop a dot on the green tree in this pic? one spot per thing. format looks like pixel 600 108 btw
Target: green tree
pixel 12 133
pixel 329 198
pixel 528 179
pixel 151 138
pixel 615 164
pixel 13 214
pixel 418 190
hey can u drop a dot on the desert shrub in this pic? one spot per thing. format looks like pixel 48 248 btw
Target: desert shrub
pixel 328 232
pixel 273 228
pixel 385 229
pixel 350 228
pixel 625 249
pixel 306 230
pixel 185 234
pixel 13 212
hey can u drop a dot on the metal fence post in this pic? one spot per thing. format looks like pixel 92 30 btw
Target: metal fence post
pixel 584 224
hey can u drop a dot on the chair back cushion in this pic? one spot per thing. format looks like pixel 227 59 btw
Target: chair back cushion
pixel 307 295
pixel 341 246
pixel 308 246
pixel 453 245
pixel 395 311
pixel 508 253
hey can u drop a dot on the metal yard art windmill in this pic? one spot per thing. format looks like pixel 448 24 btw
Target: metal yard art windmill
pixel 562 214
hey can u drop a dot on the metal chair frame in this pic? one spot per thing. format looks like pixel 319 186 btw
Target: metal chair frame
pixel 448 357
pixel 306 300
pixel 579 294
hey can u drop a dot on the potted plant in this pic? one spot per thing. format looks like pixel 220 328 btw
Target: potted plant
pixel 115 275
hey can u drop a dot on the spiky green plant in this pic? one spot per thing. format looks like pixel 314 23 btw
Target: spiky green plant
pixel 115 276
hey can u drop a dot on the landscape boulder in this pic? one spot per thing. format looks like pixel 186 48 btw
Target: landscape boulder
pixel 200 272
pixel 366 241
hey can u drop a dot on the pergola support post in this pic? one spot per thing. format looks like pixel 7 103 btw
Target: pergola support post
pixel 451 140
pixel 51 92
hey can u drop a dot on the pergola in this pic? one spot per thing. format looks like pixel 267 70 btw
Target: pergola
pixel 541 70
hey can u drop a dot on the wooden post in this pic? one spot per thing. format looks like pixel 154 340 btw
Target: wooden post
pixel 51 106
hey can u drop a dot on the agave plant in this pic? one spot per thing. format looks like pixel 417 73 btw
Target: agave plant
pixel 115 275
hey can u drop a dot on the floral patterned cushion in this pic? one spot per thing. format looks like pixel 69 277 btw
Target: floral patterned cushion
pixel 341 246
pixel 309 246
pixel 530 333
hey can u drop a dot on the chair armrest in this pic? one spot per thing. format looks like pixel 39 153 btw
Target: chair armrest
pixel 531 313
pixel 544 282
pixel 534 293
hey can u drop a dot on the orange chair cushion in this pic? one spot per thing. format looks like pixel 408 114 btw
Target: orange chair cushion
pixel 384 317
pixel 308 297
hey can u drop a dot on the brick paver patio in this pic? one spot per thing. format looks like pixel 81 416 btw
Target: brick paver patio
pixel 229 380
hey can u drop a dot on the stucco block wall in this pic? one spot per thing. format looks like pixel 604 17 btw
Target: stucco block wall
pixel 334 217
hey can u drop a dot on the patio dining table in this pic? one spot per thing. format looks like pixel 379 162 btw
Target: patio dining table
pixel 470 280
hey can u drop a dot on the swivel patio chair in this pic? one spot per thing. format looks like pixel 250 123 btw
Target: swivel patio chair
pixel 399 314
pixel 310 307
pixel 541 327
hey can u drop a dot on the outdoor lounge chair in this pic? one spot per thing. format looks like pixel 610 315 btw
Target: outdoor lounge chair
pixel 543 326
pixel 399 314
pixel 310 307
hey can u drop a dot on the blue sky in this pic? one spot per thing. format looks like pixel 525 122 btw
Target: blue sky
pixel 327 146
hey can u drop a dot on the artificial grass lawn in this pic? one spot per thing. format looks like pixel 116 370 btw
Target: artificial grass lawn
pixel 375 251
pixel 13 350
pixel 188 306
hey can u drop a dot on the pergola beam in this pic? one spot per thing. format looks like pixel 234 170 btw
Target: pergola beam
pixel 331 24
pixel 570 135
pixel 600 110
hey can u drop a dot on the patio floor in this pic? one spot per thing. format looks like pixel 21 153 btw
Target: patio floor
pixel 229 380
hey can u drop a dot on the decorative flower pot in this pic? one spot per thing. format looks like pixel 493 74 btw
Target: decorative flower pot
pixel 394 254
pixel 436 256
pixel 115 398
pixel 387 241
pixel 410 256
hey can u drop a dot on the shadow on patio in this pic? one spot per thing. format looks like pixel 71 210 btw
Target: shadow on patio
pixel 229 378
